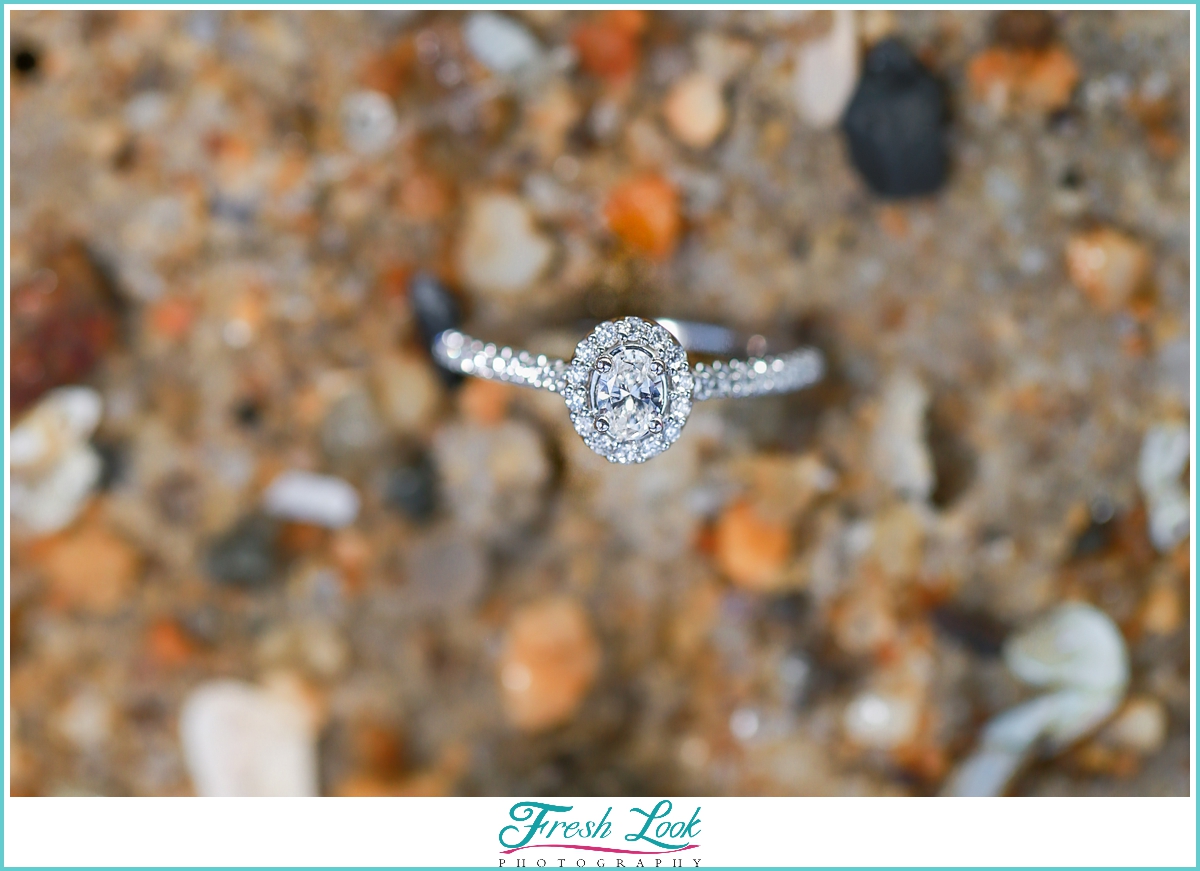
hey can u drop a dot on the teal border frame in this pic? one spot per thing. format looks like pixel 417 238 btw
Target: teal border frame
pixel 1195 322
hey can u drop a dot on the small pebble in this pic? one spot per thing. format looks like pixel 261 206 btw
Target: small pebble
pixel 322 500
pixel 644 213
pixel 549 663
pixel 895 124
pixel 1166 450
pixel 1007 79
pixel 826 72
pixel 63 323
pixel 499 42
pixel 54 468
pixel 86 720
pixel 1140 726
pixel 897 542
pixel 240 740
pixel 1162 612
pixel 1108 266
pixel 409 392
pixel 607 47
pixel 169 644
pixel 901 453
pixel 485 402
pixel 500 250
pixel 246 554
pixel 368 122
pixel 752 550
pixel 695 110
pixel 92 570
pixel 411 489
pixel 744 724
pixel 351 432
pixel 881 720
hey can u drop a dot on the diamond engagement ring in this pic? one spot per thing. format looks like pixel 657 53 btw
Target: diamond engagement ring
pixel 629 388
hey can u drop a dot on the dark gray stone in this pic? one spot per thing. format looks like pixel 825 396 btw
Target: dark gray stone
pixel 895 124
pixel 245 555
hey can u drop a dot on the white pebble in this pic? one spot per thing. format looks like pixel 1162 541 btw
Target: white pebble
pixel 1079 654
pixel 743 723
pixel 1141 726
pixel 881 720
pixel 86 721
pixel 146 111
pixel 239 740
pixel 501 251
pixel 901 456
pixel 368 121
pixel 1165 452
pixel 54 469
pixel 311 498
pixel 826 72
pixel 500 43
pixel 695 110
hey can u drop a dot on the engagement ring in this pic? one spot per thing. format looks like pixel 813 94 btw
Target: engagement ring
pixel 629 388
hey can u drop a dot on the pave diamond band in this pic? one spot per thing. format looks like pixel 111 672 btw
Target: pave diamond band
pixel 629 388
pixel 458 352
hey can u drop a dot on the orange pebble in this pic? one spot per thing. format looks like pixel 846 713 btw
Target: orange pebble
pixel 751 550
pixel 485 402
pixel 298 538
pixel 424 197
pixel 606 48
pixel 168 644
pixel 91 570
pixel 550 660
pixel 1050 80
pixel 352 553
pixel 1040 80
pixel 644 213
pixel 632 21
pixel 172 318
pixel 1108 266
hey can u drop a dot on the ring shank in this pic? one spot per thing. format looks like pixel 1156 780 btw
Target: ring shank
pixel 753 376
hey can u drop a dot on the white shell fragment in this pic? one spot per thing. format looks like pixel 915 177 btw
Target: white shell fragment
pixel 826 72
pixel 500 43
pixel 369 122
pixel 901 456
pixel 53 467
pixel 1076 651
pixel 307 497
pixel 239 740
pixel 1165 452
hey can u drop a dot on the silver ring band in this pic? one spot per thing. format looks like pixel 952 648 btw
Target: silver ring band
pixel 630 387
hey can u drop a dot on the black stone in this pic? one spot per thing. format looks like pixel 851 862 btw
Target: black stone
pixel 435 310
pixel 25 60
pixel 246 554
pixel 1093 540
pixel 895 124
pixel 411 489
pixel 114 462
pixel 976 630
pixel 248 413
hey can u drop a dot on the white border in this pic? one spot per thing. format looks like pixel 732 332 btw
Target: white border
pixel 463 831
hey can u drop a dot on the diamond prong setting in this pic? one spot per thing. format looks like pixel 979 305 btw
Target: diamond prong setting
pixel 629 390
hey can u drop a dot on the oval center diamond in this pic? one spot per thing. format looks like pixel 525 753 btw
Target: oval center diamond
pixel 629 395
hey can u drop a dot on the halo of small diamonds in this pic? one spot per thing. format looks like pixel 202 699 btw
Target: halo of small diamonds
pixel 611 343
